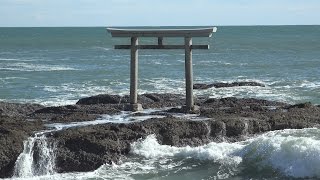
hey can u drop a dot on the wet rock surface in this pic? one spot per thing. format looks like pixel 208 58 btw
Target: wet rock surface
pixel 228 119
pixel 17 109
pixel 88 147
pixel 224 85
pixel 152 100
pixel 13 131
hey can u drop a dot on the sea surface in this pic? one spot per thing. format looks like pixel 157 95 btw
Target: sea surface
pixel 57 66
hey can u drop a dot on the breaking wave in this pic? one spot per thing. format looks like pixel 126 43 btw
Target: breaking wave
pixel 291 153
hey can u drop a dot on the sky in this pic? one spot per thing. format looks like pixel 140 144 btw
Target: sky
pixel 57 13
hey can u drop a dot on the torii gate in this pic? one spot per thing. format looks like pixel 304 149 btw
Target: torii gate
pixel 188 34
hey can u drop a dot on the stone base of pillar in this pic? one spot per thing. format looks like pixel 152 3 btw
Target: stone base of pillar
pixel 193 110
pixel 133 107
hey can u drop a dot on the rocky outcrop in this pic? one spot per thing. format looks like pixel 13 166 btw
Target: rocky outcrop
pixel 91 108
pixel 75 113
pixel 15 127
pixel 223 85
pixel 13 131
pixel 231 119
pixel 87 148
pixel 18 110
pixel 152 100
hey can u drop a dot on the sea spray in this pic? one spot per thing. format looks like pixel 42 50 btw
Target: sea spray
pixel 285 153
pixel 274 155
pixel 37 157
pixel 294 153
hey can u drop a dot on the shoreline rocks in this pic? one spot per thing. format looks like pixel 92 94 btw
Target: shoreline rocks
pixel 225 85
pixel 13 131
pixel 87 148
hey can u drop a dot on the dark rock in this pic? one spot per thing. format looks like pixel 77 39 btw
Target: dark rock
pixel 18 110
pixel 152 100
pixel 76 113
pixel 107 143
pixel 58 110
pixel 217 128
pixel 302 105
pixel 154 97
pixel 223 85
pixel 13 131
pixel 236 127
pixel 155 100
pixel 101 99
pixel 202 86
pixel 241 102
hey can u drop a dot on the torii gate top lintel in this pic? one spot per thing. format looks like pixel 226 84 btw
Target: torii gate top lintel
pixel 196 32
pixel 160 33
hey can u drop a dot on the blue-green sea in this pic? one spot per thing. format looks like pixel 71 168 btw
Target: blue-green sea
pixel 57 66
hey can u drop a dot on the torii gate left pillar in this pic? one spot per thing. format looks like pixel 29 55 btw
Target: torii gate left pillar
pixel 134 105
pixel 160 33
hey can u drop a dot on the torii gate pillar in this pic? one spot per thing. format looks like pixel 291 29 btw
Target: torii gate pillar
pixel 134 106
pixel 189 76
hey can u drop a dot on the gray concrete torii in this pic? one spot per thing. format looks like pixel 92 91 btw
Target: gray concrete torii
pixel 134 34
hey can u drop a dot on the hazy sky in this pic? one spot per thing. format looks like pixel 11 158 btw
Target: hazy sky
pixel 157 12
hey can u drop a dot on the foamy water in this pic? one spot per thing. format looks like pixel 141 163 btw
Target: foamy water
pixel 291 153
pixel 273 155
pixel 278 154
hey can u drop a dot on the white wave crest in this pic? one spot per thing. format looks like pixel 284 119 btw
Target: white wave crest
pixel 34 67
pixel 218 152
pixel 293 153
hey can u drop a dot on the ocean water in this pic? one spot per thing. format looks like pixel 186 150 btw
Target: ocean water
pixel 57 66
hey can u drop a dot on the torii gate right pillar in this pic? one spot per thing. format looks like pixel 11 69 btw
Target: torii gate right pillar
pixel 189 107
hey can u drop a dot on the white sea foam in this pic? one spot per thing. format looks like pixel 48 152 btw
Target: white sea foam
pixel 101 48
pixel 34 67
pixel 70 92
pixel 294 153
pixel 291 153
pixel 210 62
pixel 310 85
pixel 18 60
pixel 123 117
pixel 9 59
pixel 167 85
pixel 217 152
pixel 30 164
pixel 10 78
